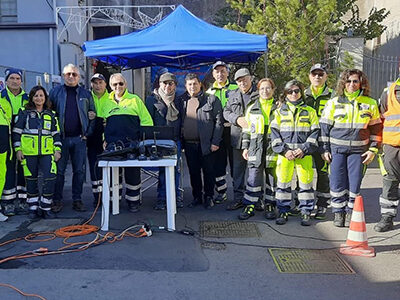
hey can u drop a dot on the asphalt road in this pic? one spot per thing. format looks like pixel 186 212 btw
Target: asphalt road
pixel 171 265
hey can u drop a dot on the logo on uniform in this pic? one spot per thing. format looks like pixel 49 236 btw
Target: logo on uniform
pixel 364 106
pixel 253 128
pixel 33 115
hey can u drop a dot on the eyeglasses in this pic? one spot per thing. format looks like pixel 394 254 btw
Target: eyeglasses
pixel 170 83
pixel 296 91
pixel 319 74
pixel 355 81
pixel 118 83
pixel 71 74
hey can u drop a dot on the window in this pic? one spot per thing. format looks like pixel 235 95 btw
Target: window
pixel 8 11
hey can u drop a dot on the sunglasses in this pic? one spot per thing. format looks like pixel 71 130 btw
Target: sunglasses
pixel 71 74
pixel 355 81
pixel 319 74
pixel 295 91
pixel 118 83
pixel 170 83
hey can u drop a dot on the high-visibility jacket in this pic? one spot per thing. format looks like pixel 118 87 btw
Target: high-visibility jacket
pixel 17 102
pixel 351 126
pixel 317 102
pixel 256 137
pixel 36 133
pixel 222 93
pixel 295 126
pixel 124 118
pixel 5 125
pixel 391 122
pixel 100 102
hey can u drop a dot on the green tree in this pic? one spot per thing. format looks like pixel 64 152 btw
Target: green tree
pixel 369 28
pixel 296 29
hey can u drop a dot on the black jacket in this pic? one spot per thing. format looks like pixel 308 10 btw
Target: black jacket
pixel 209 120
pixel 158 111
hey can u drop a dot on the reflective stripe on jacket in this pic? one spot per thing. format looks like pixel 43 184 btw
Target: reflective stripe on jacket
pixel 391 123
pixel 294 127
pixel 256 138
pixel 350 125
pixel 36 133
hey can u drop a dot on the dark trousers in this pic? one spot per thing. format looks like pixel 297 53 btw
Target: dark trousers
pixel 96 174
pixel 198 163
pixel 238 174
pixel 14 187
pixel 74 148
pixel 389 199
pixel 161 187
pixel 323 190
pixel 31 166
pixel 346 172
pixel 132 184
pixel 223 155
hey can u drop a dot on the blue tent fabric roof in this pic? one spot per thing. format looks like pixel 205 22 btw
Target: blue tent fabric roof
pixel 180 40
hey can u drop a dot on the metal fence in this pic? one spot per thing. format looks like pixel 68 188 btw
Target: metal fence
pixel 380 70
pixel 29 79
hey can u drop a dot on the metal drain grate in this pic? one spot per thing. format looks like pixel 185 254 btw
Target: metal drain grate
pixel 309 261
pixel 228 229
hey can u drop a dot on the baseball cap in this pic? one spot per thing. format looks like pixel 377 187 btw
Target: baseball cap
pixel 241 73
pixel 318 67
pixel 98 76
pixel 219 63
pixel 10 71
pixel 167 77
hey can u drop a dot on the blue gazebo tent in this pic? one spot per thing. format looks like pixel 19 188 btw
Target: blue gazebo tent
pixel 180 40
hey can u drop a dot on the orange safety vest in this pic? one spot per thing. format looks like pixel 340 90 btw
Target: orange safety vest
pixel 391 124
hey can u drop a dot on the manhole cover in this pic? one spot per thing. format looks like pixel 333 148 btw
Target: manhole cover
pixel 228 229
pixel 309 261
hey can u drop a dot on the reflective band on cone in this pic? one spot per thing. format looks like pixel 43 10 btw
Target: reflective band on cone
pixel 357 240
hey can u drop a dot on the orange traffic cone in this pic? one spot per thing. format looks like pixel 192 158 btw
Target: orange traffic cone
pixel 357 241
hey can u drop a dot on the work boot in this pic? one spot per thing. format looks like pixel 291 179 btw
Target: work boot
pixel 179 203
pixel 339 219
pixel 220 198
pixel 78 205
pixel 294 212
pixel 8 208
pixel 384 224
pixel 321 213
pixel 270 212
pixel 259 206
pixel 3 218
pixel 305 220
pixel 57 206
pixel 133 206
pixel 208 202
pixel 347 219
pixel 234 205
pixel 247 212
pixel 32 214
pixel 282 218
pixel 160 205
pixel 47 214
pixel 195 202
pixel 21 207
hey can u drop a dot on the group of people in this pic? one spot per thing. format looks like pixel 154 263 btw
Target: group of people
pixel 264 138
